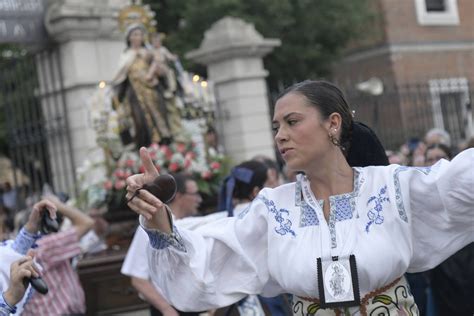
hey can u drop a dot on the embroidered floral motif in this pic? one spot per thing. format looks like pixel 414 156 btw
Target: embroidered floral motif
pixel 398 191
pixel 285 224
pixel 160 240
pixel 375 214
pixel 308 216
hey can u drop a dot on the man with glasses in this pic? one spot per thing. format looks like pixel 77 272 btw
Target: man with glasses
pixel 184 204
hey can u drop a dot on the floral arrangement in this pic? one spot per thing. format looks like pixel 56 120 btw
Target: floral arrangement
pixel 173 158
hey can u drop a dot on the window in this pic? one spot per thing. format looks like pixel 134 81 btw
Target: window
pixel 435 5
pixel 437 12
pixel 451 107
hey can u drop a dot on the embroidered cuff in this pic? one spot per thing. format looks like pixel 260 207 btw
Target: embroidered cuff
pixel 24 241
pixel 5 308
pixel 160 240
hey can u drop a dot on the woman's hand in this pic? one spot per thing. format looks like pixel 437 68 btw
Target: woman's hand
pixel 19 270
pixel 143 202
pixel 34 220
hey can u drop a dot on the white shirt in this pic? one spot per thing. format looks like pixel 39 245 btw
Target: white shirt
pixel 397 219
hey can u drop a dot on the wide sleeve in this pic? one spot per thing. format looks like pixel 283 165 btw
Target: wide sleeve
pixel 442 210
pixel 136 261
pixel 215 265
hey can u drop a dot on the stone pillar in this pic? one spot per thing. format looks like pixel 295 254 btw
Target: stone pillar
pixel 89 44
pixel 233 50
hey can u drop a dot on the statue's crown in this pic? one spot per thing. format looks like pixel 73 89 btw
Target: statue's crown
pixel 136 13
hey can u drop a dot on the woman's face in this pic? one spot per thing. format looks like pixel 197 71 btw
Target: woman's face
pixel 435 154
pixel 301 134
pixel 136 38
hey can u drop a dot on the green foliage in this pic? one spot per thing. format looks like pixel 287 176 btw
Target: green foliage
pixel 16 81
pixel 313 32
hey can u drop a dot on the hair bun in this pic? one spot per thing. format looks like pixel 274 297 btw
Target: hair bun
pixel 366 149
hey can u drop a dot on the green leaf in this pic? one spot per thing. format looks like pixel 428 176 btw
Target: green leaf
pixel 384 299
pixel 313 308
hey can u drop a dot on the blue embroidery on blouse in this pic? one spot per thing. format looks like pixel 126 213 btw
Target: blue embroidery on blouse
pixel 285 224
pixel 160 240
pixel 244 212
pixel 398 191
pixel 308 216
pixel 375 215
pixel 342 207
pixel 24 241
pixel 298 193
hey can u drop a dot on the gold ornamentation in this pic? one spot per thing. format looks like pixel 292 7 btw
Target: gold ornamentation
pixel 137 14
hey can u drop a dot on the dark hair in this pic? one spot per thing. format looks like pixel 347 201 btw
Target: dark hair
pixel 243 190
pixel 327 98
pixel 441 146
pixel 270 163
pixel 181 178
pixel 366 149
pixel 241 182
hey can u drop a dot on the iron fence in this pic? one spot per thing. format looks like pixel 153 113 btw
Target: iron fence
pixel 35 122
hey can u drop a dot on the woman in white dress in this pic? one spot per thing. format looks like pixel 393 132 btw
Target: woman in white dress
pixel 339 238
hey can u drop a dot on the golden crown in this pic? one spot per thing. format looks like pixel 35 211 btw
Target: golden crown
pixel 136 13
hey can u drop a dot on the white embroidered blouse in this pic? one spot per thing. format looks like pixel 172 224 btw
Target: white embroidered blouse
pixel 397 219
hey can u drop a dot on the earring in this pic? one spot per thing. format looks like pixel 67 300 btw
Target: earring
pixel 336 142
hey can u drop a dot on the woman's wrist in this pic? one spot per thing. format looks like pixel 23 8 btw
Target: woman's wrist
pixel 31 228
pixel 10 301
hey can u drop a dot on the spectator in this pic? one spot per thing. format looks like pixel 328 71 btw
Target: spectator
pixel 437 136
pixel 9 196
pixel 437 152
pixel 54 254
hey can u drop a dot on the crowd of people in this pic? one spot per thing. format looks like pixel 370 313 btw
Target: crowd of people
pixel 335 235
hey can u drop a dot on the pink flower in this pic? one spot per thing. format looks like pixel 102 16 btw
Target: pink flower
pixel 187 163
pixel 154 146
pixel 181 147
pixel 108 185
pixel 141 169
pixel 190 155
pixel 152 154
pixel 130 163
pixel 215 165
pixel 167 151
pixel 120 184
pixel 119 173
pixel 206 175
pixel 173 167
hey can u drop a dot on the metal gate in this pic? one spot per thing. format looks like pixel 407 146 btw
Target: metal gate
pixel 35 122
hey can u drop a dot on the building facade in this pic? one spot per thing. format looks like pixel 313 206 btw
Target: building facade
pixel 423 51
